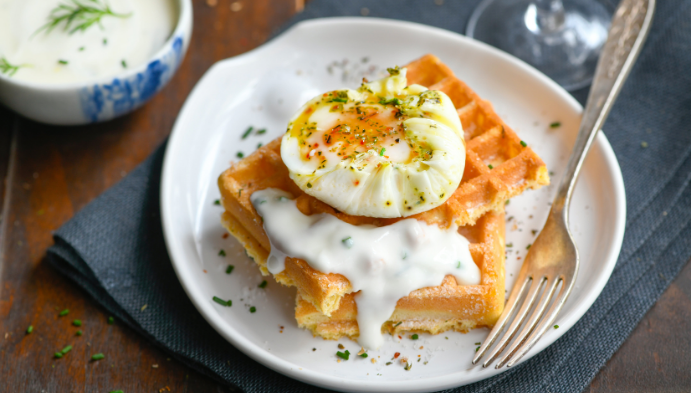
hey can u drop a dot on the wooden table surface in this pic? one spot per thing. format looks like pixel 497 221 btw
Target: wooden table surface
pixel 51 172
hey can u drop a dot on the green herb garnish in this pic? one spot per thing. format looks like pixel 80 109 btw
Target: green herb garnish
pixel 309 185
pixel 490 166
pixel 556 124
pixel 381 152
pixel 77 322
pixel 253 309
pixel 263 284
pixel 64 312
pixel 396 325
pixel 66 349
pixel 363 355
pixel 98 356
pixel 348 242
pixel 222 253
pixel 478 343
pixel 459 265
pixel 337 99
pixel 79 332
pixel 524 144
pixel 78 15
pixel 217 202
pixel 240 154
pixel 57 355
pixel 111 320
pixel 414 336
pixel 343 355
pixel 229 269
pixel 124 63
pixel 259 132
pixel 7 68
pixel 30 329
pixel 528 246
pixel 63 62
pixel 81 49
pixel 247 133
pixel 222 302
pixel 556 326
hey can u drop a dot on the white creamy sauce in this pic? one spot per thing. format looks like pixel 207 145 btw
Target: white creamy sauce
pixel 99 51
pixel 383 263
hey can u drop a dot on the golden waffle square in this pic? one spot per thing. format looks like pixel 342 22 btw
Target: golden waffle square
pixel 489 142
pixel 433 309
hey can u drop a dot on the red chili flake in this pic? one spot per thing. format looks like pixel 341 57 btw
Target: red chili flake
pixel 400 338
pixel 316 145
pixel 396 355
pixel 519 258
pixel 362 142
pixel 204 270
pixel 357 182
pixel 225 235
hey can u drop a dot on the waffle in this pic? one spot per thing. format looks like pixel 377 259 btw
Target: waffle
pixel 434 309
pixel 489 142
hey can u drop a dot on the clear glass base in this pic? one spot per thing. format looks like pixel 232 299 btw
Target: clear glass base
pixel 562 41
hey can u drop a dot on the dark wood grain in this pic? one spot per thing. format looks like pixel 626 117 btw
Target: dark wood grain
pixel 52 172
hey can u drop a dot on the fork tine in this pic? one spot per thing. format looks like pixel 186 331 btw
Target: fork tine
pixel 532 322
pixel 516 293
pixel 518 319
pixel 546 321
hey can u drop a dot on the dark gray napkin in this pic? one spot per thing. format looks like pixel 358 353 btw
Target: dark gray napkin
pixel 114 247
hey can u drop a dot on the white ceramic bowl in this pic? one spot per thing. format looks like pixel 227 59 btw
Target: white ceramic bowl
pixel 104 98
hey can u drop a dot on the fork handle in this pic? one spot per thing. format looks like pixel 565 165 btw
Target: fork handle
pixel 629 28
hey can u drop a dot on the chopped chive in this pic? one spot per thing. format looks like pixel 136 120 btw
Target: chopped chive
pixel 478 343
pixel 81 49
pixel 30 329
pixel 222 253
pixel 338 99
pixel 459 265
pixel 348 242
pixel 97 356
pixel 263 284
pixel 490 166
pixel 77 322
pixel 414 336
pixel 477 349
pixel 217 202
pixel 408 366
pixel 253 309
pixel 381 152
pixel 556 124
pixel 343 355
pixel 105 41
pixel 259 145
pixel 229 269
pixel 396 325
pixel 57 355
pixel 116 391
pixel 364 355
pixel 240 192
pixel 556 326
pixel 240 154
pixel 528 246
pixel 79 332
pixel 66 349
pixel 507 202
pixel 222 302
pixel 524 144
pixel 309 185
pixel 388 363
pixel 64 312
pixel 259 132
pixel 124 63
pixel 63 62
pixel 247 132
pixel 111 320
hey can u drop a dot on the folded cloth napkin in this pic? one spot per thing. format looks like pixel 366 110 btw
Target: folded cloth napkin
pixel 114 247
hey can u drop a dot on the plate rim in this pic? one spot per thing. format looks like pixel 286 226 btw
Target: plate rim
pixel 292 370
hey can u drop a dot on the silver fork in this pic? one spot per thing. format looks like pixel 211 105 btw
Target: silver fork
pixel 553 257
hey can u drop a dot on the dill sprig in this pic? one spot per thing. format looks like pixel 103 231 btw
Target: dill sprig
pixel 7 68
pixel 79 15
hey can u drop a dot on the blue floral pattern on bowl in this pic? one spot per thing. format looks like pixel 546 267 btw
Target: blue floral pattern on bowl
pixel 105 101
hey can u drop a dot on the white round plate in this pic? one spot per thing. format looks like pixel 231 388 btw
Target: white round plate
pixel 263 88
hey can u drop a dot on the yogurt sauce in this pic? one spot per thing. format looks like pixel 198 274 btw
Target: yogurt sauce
pixel 99 51
pixel 383 263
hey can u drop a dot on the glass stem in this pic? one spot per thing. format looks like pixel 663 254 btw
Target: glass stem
pixel 545 16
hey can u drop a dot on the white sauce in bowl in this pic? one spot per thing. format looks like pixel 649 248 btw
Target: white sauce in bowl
pixel 108 49
pixel 383 263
